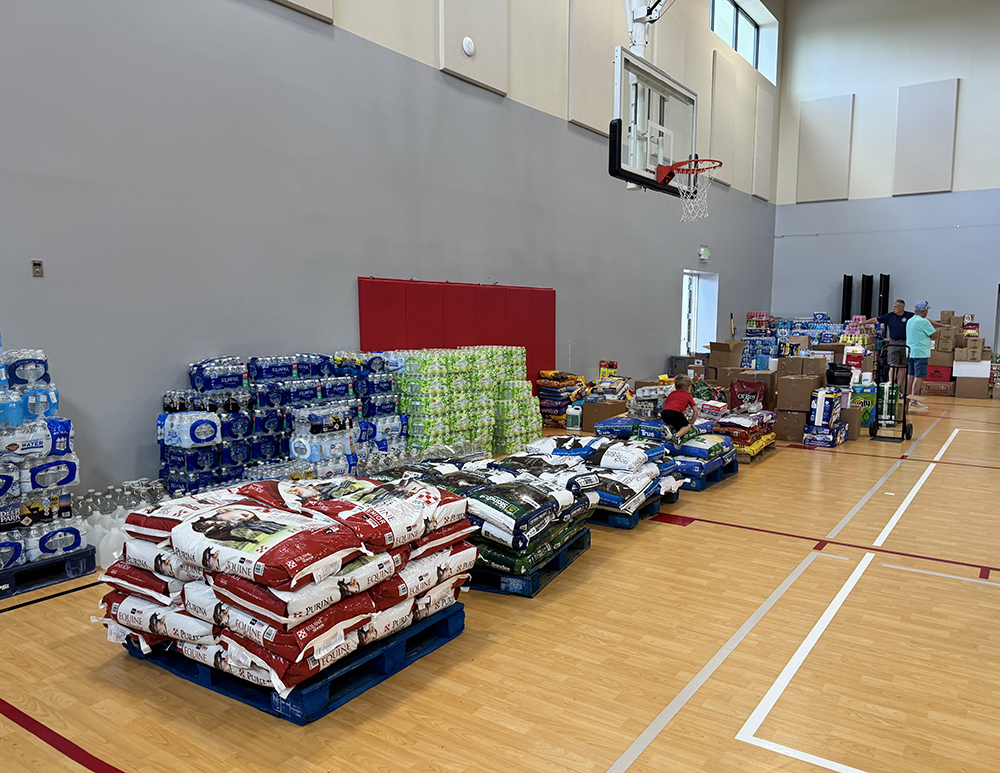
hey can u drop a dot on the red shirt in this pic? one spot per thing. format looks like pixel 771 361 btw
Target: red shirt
pixel 678 401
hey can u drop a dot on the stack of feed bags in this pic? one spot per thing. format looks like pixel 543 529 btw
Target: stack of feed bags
pixel 274 581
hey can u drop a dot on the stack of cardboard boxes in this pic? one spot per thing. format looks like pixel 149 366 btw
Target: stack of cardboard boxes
pixel 959 365
pixel 797 378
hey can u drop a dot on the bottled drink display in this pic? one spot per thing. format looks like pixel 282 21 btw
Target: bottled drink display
pixel 38 464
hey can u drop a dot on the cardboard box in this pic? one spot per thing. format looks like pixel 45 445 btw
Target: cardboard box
pixel 815 366
pixel 595 412
pixel 863 397
pixel 790 366
pixel 837 349
pixel 956 321
pixel 946 316
pixel 975 349
pixel 971 369
pixel 795 392
pixel 711 374
pixel 696 371
pixel 972 387
pixel 825 437
pixel 938 373
pixel 725 354
pixel 938 388
pixel 726 375
pixel 641 384
pixel 961 355
pixel 790 425
pixel 770 379
pixel 852 418
pixel 941 359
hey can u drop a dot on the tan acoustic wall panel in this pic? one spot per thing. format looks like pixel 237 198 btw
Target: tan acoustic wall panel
pixel 824 164
pixel 591 64
pixel 669 43
pixel 925 138
pixel 485 22
pixel 722 145
pixel 763 143
pixel 318 9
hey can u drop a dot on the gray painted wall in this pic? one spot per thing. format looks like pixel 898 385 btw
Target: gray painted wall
pixel 211 178
pixel 940 247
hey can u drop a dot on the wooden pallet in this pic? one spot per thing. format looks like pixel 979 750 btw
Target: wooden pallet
pixel 619 520
pixel 531 584
pixel 702 482
pixel 331 688
pixel 50 571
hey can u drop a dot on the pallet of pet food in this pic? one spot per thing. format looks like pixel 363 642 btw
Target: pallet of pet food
pixel 633 476
pixel 706 460
pixel 531 517
pixel 286 586
pixel 752 433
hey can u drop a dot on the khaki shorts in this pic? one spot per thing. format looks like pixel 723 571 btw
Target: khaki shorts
pixel 896 352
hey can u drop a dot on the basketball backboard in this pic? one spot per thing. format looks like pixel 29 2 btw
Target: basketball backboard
pixel 655 122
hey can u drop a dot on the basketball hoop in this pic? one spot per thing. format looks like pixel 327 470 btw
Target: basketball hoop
pixel 692 179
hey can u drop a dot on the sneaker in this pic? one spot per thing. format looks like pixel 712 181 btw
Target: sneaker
pixel 917 404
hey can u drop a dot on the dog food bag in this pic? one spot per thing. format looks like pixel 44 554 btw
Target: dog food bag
pixel 387 622
pixel 160 560
pixel 706 446
pixel 626 454
pixel 566 445
pixel 173 622
pixel 265 545
pixel 462 482
pixel 287 495
pixel 285 674
pixel 442 538
pixel 289 609
pixel 159 588
pixel 627 491
pixel 516 509
pixel 439 597
pixel 424 573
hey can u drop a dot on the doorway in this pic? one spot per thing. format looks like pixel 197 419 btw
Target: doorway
pixel 699 311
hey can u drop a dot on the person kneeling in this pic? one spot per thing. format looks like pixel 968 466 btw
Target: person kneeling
pixel 674 407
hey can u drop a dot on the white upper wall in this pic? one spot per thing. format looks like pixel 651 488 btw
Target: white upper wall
pixel 872 47
pixel 681 43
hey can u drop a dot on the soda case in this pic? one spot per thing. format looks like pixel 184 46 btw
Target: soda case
pixel 37 464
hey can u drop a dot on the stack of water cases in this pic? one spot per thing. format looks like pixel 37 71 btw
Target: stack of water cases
pixel 37 464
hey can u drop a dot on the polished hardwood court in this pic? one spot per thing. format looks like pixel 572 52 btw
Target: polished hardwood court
pixel 824 609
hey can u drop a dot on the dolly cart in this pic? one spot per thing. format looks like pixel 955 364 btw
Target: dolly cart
pixel 887 420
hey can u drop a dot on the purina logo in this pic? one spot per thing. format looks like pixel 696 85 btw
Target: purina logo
pixel 199 383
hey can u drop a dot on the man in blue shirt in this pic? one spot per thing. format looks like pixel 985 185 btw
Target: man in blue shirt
pixel 895 344
pixel 919 332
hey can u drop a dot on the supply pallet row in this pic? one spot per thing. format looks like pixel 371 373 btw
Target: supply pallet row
pixel 531 584
pixel 702 482
pixel 330 689
pixel 50 571
pixel 619 520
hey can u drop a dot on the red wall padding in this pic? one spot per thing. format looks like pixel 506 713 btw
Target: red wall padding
pixel 401 314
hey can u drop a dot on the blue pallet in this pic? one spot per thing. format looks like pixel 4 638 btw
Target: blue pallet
pixel 702 482
pixel 41 574
pixel 618 520
pixel 531 584
pixel 331 688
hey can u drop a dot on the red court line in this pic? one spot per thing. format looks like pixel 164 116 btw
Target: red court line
pixel 822 543
pixel 984 573
pixel 56 741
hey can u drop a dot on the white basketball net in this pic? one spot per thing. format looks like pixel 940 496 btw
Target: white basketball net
pixel 693 183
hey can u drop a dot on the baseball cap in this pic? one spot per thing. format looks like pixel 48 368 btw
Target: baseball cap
pixel 921 305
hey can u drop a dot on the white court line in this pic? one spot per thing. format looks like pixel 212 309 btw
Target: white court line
pixel 640 744
pixel 750 727
pixel 939 574
pixel 881 482
pixel 913 492
pixel 987 431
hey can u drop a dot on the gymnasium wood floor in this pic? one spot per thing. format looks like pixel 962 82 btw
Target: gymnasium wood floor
pixel 823 609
